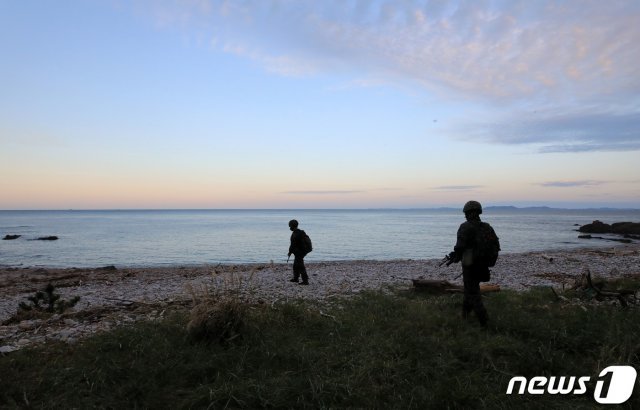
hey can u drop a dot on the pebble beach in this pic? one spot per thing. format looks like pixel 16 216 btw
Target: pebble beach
pixel 113 296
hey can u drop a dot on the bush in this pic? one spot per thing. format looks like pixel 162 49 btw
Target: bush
pixel 219 313
pixel 48 301
pixel 217 321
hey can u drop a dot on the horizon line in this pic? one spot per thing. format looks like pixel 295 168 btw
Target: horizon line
pixel 512 207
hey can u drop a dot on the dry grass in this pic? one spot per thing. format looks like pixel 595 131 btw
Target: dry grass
pixel 219 311
pixel 373 350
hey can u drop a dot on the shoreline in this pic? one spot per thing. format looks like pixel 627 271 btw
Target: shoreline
pixel 114 296
pixel 610 245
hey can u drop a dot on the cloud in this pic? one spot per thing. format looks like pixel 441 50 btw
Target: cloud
pixel 541 55
pixel 578 131
pixel 515 49
pixel 337 192
pixel 457 187
pixel 590 147
pixel 280 64
pixel 340 192
pixel 572 184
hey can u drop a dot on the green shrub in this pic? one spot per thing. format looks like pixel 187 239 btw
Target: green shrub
pixel 48 301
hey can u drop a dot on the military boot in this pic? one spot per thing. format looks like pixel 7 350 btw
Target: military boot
pixel 483 317
pixel 305 278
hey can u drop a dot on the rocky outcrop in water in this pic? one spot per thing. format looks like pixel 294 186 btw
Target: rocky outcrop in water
pixel 626 239
pixel 620 228
pixel 626 228
pixel 42 238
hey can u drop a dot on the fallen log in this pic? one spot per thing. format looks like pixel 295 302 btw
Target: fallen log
pixel 489 288
pixel 425 284
pixel 483 289
pixel 443 286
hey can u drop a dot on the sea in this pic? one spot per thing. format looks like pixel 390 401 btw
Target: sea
pixel 151 238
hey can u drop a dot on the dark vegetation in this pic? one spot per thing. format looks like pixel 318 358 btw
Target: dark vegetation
pixel 42 304
pixel 377 350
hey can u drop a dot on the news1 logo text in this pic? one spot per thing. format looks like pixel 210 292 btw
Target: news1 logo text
pixel 622 380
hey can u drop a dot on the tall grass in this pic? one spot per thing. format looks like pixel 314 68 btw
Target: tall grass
pixel 403 350
pixel 219 313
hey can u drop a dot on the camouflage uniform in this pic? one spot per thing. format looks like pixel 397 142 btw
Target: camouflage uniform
pixel 470 274
pixel 298 249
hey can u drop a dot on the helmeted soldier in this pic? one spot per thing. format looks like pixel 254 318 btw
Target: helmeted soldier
pixel 474 268
pixel 297 248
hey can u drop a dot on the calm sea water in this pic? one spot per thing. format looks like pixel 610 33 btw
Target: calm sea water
pixel 187 237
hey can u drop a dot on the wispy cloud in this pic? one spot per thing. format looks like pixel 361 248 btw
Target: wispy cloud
pixel 340 191
pixel 457 188
pixel 320 192
pixel 498 50
pixel 572 184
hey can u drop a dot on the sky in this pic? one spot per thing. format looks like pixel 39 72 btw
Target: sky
pixel 319 104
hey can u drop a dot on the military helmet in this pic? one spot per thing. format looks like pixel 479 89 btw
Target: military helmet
pixel 293 223
pixel 472 206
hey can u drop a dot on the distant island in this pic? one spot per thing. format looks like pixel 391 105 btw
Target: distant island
pixel 548 208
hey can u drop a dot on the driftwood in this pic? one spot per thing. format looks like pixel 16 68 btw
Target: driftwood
pixel 585 282
pixel 443 286
pixel 603 293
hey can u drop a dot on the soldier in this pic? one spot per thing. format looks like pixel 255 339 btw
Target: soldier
pixel 299 250
pixel 477 248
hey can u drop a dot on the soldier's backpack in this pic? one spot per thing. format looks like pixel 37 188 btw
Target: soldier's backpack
pixel 487 246
pixel 308 247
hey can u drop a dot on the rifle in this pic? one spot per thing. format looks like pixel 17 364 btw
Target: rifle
pixel 447 259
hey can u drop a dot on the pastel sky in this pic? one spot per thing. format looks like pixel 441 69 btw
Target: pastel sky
pixel 318 104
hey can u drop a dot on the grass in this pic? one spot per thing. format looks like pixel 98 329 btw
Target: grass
pixel 405 350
